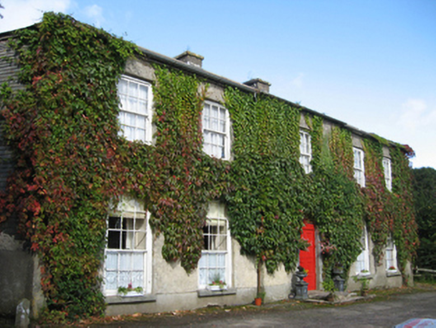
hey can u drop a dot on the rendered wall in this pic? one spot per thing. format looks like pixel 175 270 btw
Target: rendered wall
pixel 174 289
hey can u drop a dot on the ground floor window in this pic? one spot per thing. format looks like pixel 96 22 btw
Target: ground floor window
pixel 215 263
pixel 391 255
pixel 362 262
pixel 128 250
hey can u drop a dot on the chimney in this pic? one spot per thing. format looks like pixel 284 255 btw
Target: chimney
pixel 259 84
pixel 190 58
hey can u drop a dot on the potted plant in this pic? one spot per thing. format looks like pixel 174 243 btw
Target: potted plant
pixel 392 268
pixel 129 291
pixel 217 283
pixel 260 295
pixel 259 298
pixel 364 282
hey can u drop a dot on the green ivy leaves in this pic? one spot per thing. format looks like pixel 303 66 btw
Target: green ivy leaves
pixel 63 126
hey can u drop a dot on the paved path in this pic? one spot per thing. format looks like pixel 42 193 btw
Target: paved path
pixel 387 313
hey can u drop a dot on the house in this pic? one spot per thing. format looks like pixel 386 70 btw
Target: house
pixel 124 170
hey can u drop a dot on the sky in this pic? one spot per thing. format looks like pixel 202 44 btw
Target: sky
pixel 369 63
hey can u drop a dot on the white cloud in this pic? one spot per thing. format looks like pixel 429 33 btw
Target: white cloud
pixel 22 13
pixel 95 13
pixel 416 125
pixel 416 116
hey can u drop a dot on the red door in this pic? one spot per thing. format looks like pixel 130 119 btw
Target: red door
pixel 307 258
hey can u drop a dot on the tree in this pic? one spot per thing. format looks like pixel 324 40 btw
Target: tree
pixel 424 186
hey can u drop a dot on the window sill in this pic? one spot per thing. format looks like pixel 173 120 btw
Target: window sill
pixel 362 276
pixel 395 273
pixel 209 293
pixel 129 300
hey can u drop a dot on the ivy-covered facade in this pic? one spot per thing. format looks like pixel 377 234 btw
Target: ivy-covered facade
pixel 139 182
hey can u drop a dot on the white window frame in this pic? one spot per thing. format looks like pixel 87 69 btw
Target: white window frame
pixel 305 151
pixel 207 269
pixel 359 166
pixel 210 132
pixel 133 211
pixel 362 261
pixel 135 110
pixel 387 170
pixel 391 255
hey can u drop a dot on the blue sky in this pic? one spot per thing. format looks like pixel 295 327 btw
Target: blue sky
pixel 370 63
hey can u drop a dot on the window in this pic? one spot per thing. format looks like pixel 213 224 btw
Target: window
pixel 362 262
pixel 359 169
pixel 388 172
pixel 216 130
pixel 128 249
pixel 135 109
pixel 215 256
pixel 391 255
pixel 305 151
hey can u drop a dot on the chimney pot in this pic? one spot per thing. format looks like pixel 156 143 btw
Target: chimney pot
pixel 259 84
pixel 190 58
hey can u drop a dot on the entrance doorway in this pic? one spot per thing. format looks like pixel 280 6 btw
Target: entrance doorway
pixel 308 257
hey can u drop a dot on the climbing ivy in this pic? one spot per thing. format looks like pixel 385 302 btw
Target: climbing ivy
pixel 336 208
pixel 175 178
pixel 63 127
pixel 405 228
pixel 72 166
pixel 379 212
pixel 266 205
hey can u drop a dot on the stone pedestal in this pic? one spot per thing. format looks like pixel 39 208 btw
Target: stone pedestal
pixel 339 283
pixel 301 290
pixel 337 279
pixel 301 285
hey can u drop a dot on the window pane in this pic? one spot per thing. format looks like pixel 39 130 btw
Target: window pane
pixel 111 281
pixel 113 239
pixel 125 261
pixel 137 279
pixel 138 261
pixel 140 241
pixel 124 278
pixel 111 261
pixel 114 222
pixel 134 108
pixel 215 130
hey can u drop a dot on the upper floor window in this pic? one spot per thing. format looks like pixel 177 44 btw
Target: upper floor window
pixel 216 130
pixel 128 249
pixel 305 151
pixel 215 262
pixel 135 109
pixel 388 172
pixel 362 262
pixel 359 168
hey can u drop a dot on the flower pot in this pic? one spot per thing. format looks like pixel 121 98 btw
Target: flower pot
pixel 214 288
pixel 258 301
pixel 131 294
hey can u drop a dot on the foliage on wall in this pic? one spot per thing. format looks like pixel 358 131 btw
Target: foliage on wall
pixel 378 199
pixel 266 206
pixel 63 126
pixel 405 228
pixel 72 165
pixel 174 177
pixel 336 207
